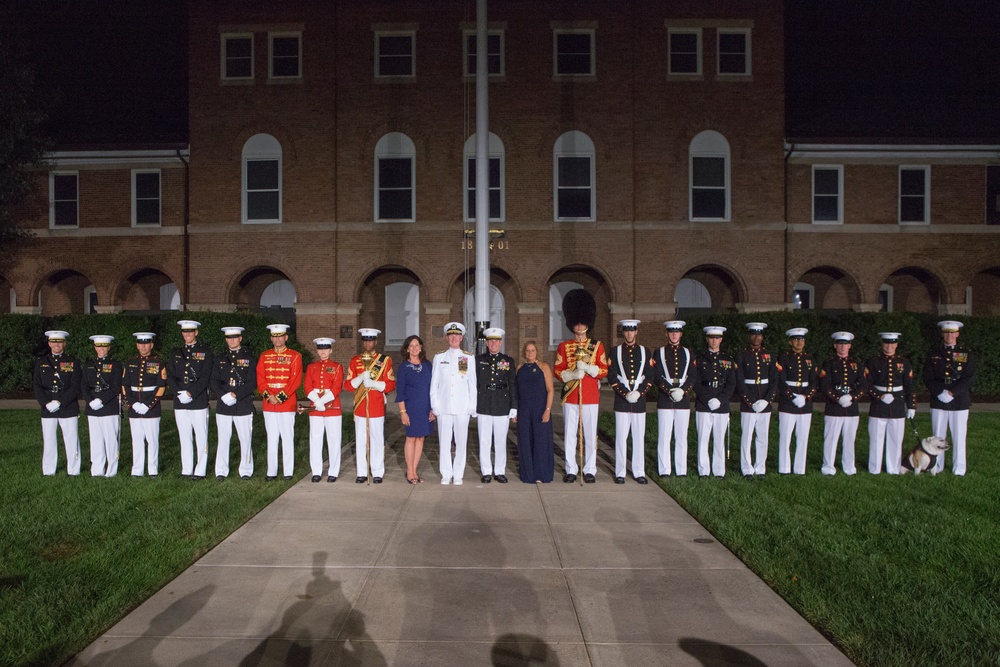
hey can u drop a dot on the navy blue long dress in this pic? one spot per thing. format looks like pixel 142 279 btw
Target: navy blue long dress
pixel 535 447
pixel 413 386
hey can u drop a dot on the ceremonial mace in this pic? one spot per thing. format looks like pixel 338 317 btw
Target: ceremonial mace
pixel 581 354
pixel 366 359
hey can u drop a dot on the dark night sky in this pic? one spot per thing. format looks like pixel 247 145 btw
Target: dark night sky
pixel 854 68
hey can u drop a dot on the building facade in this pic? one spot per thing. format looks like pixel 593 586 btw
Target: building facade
pixel 637 149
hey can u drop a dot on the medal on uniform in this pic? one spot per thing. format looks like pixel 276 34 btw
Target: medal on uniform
pixel 463 365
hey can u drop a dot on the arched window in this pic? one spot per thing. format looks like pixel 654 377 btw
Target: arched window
pixel 804 296
pixel 395 179
pixel 262 179
pixel 708 167
pixel 498 314
pixel 402 313
pixel 573 177
pixel 692 294
pixel 496 180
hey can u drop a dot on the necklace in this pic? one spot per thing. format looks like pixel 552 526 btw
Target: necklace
pixel 417 367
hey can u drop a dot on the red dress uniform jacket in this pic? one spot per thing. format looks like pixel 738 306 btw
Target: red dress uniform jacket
pixel 279 374
pixel 368 402
pixel 323 375
pixel 566 360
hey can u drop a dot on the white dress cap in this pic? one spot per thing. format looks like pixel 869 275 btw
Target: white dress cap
pixel 674 325
pixel 842 337
pixel 278 329
pixel 55 335
pixel 889 336
pixel 324 343
pixel 454 328
pixel 797 332
pixel 756 326
pixel 629 325
pixel 949 325
pixel 493 333
pixel 369 334
pixel 189 325
pixel 714 331
pixel 144 336
pixel 101 339
pixel 232 331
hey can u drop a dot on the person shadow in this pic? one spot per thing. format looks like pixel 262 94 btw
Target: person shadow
pixel 713 654
pixel 521 650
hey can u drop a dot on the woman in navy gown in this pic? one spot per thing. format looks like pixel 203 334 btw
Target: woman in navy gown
pixel 535 447
pixel 413 394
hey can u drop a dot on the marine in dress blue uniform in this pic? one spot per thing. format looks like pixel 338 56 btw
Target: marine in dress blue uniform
pixel 101 390
pixel 234 380
pixel 756 379
pixel 797 384
pixel 189 373
pixel 841 384
pixel 57 389
pixel 496 405
pixel 949 372
pixel 674 374
pixel 713 389
pixel 630 374
pixel 889 382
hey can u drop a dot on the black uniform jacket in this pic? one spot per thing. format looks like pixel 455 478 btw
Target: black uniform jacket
pixel 495 384
pixel 673 367
pixel 952 369
pixel 756 377
pixel 716 379
pixel 102 378
pixel 838 377
pixel 58 378
pixel 797 374
pixel 145 382
pixel 631 369
pixel 235 371
pixel 190 369
pixel 889 375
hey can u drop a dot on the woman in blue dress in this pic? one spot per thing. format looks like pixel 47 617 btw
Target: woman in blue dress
pixel 535 448
pixel 413 394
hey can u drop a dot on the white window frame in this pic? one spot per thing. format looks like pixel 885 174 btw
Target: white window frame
pixel 52 199
pixel 87 291
pixel 697 32
pixel 396 145
pixel 555 52
pixel 412 34
pixel 810 290
pixel 747 56
pixel 261 148
pixel 466 34
pixel 495 151
pixel 709 144
pixel 887 289
pixel 223 56
pixel 840 194
pixel 270 55
pixel 574 144
pixel 159 198
pixel 926 169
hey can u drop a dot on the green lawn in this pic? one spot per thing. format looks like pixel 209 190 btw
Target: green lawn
pixel 78 553
pixel 896 570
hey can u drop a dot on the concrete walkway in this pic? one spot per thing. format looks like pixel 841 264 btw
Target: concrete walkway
pixel 514 574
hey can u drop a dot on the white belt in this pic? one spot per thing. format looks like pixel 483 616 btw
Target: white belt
pixel 796 384
pixel 143 389
pixel 888 390
pixel 763 381
pixel 276 386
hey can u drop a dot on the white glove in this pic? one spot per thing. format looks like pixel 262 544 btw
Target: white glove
pixel 591 370
pixel 367 380
pixel 96 404
pixel 228 399
pixel 713 403
pixel 845 400
pixel 888 398
pixel 314 396
pixel 52 406
pixel 319 406
pixel 676 394
pixel 512 414
pixel 377 385
pixel 356 382
pixel 760 405
pixel 140 408
pixel 570 375
pixel 184 397
pixel 946 396
pixel 632 396
pixel 911 413
pixel 798 400
pixel 328 396
pixel 583 366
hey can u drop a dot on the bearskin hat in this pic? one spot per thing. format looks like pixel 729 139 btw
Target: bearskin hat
pixel 579 308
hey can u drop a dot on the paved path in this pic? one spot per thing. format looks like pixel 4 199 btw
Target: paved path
pixel 515 574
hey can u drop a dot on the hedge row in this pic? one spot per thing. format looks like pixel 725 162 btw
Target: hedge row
pixel 22 337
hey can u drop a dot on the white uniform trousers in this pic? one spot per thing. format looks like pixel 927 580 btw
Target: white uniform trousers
pixel 958 422
pixel 833 429
pixel 104 443
pixel 244 432
pixel 887 433
pixel 672 422
pixel 789 424
pixel 452 469
pixel 50 444
pixel 493 434
pixel 145 436
pixel 634 422
pixel 196 422
pixel 280 426
pixel 571 422
pixel 710 424
pixel 368 432
pixel 751 423
pixel 334 429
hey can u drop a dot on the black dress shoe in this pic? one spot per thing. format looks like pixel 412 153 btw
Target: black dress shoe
pixel 316 478
pixel 748 477
pixel 270 478
pixel 220 477
pixel 502 479
pixel 361 480
pixel 486 479
pixel 331 479
pixel 641 480
pixel 619 480
pixel 197 478
pixel 376 480
pixel 569 478
pixel 288 476
pixel 588 478
pixel 245 477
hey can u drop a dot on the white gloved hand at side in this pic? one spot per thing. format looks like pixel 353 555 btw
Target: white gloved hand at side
pixel 676 394
pixel 632 396
pixel 946 396
pixel 888 398
pixel 845 401
pixel 911 413
pixel 713 403
pixel 96 404
pixel 52 406
pixel 356 382
pixel 760 405
pixel 799 400
pixel 140 408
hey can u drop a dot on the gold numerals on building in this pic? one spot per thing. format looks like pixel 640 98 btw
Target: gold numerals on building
pixel 499 244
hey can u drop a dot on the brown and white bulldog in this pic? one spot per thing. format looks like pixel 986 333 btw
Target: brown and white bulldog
pixel 924 456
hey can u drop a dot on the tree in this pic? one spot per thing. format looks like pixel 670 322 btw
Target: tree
pixel 23 143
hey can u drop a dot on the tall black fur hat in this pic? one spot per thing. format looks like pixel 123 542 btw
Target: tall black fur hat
pixel 579 308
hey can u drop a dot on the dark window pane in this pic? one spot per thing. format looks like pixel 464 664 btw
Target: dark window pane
pixel 574 64
pixel 262 175
pixel 238 47
pixel 730 63
pixel 683 43
pixel 684 64
pixel 262 206
pixel 394 173
pixel 287 47
pixel 827 181
pixel 285 67
pixel 732 43
pixel 574 172
pixel 495 204
pixel 709 172
pixel 396 45
pixel 825 209
pixel 494 172
pixel 573 43
pixel 394 205
pixel 708 204
pixel 64 186
pixel 395 66
pixel 147 186
pixel 911 182
pixel 470 211
pixel 574 203
pixel 236 69
pixel 911 209
pixel 147 212
pixel 493 44
pixel 471 176
pixel 65 214
pixel 492 64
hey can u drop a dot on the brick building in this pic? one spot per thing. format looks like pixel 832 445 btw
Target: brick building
pixel 637 149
